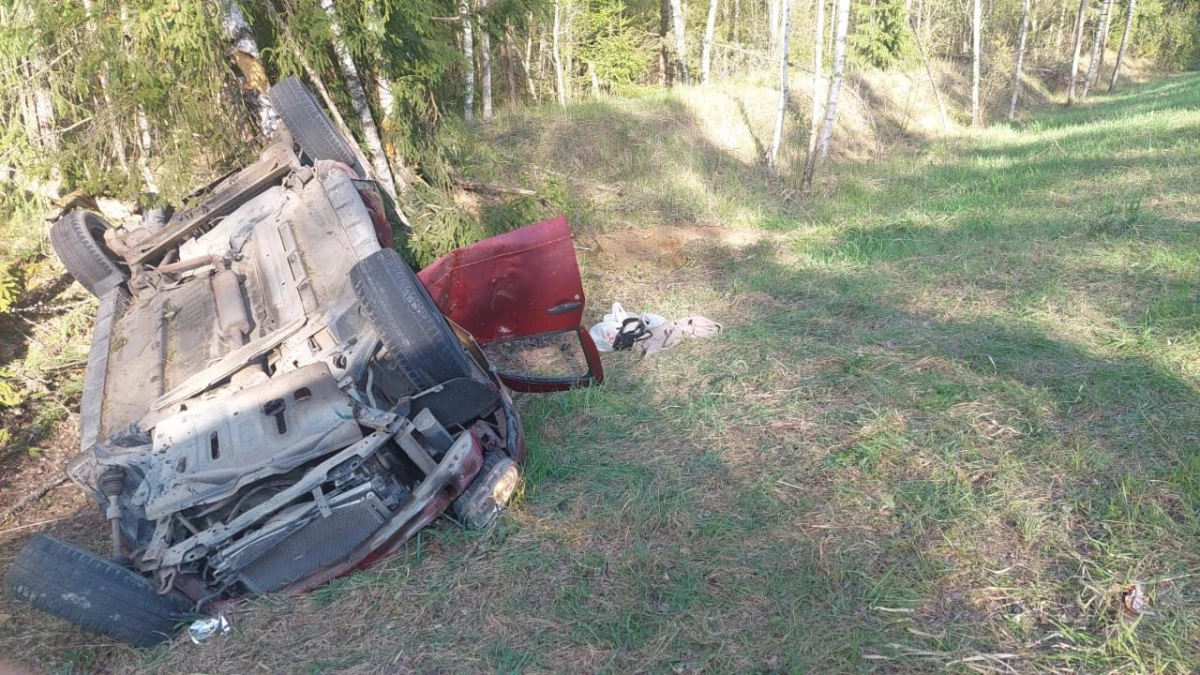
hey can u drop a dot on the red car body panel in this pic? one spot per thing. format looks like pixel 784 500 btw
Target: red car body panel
pixel 515 285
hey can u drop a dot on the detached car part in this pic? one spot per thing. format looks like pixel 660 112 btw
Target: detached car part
pixel 274 398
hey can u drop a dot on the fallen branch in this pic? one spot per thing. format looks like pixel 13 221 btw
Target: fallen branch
pixel 31 498
pixel 498 190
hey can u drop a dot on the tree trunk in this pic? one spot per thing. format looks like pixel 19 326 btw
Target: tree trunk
pixel 664 56
pixel 841 28
pixel 1097 41
pixel 680 40
pixel 145 142
pixel 528 64
pixel 976 37
pixel 358 97
pixel 1079 20
pixel 591 67
pixel 1132 9
pixel 1024 34
pixel 485 59
pixel 706 56
pixel 510 46
pixel 1103 47
pixel 777 137
pixel 114 125
pixel 468 47
pixel 1062 26
pixel 818 79
pixel 937 93
pixel 246 56
pixel 556 53
pixel 773 21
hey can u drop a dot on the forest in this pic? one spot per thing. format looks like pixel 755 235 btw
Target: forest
pixel 151 97
pixel 950 425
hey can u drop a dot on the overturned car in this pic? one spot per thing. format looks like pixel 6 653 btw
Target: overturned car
pixel 273 398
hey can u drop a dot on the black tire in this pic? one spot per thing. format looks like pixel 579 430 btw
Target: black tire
pixel 415 333
pixel 93 592
pixel 78 239
pixel 311 128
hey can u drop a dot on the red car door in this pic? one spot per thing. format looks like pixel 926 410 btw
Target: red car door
pixel 518 285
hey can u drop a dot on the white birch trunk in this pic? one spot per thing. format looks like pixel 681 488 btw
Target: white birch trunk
pixel 1132 9
pixel 710 29
pixel 976 37
pixel 468 47
pixel 485 62
pixel 383 84
pixel 362 108
pixel 1097 43
pixel 1062 27
pixel 677 20
pixel 248 58
pixel 841 28
pixel 145 143
pixel 1079 21
pixel 777 137
pixel 818 80
pixel 114 126
pixel 1024 34
pixel 594 78
pixel 556 54
pixel 528 64
pixel 773 23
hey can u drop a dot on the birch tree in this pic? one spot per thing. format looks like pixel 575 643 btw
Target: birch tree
pixel 709 29
pixel 1130 11
pixel 468 47
pixel 976 36
pixel 841 29
pixel 485 65
pixel 362 108
pixel 1024 34
pixel 818 79
pixel 1097 46
pixel 680 40
pixel 777 137
pixel 556 55
pixel 248 59
pixel 1079 20
pixel 114 125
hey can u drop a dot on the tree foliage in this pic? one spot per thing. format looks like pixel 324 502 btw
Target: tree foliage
pixel 881 35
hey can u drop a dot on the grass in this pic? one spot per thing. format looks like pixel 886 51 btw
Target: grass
pixel 952 418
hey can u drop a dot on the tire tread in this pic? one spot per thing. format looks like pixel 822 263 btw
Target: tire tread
pixel 120 603
pixel 409 324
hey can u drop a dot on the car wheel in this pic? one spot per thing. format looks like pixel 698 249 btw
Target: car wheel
pixel 489 493
pixel 94 592
pixel 78 239
pixel 409 324
pixel 310 126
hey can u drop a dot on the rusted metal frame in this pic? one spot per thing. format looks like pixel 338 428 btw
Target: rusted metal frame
pixel 199 545
pixel 228 365
pixel 430 498
pixel 276 162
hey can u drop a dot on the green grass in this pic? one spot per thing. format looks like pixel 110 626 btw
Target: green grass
pixel 952 417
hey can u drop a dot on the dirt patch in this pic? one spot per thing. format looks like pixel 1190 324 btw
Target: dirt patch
pixel 662 247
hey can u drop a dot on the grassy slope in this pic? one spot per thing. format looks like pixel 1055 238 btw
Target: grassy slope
pixel 952 417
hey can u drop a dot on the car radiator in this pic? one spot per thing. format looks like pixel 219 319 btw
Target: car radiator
pixel 320 542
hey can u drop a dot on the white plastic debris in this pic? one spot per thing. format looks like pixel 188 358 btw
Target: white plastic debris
pixel 605 332
pixel 201 630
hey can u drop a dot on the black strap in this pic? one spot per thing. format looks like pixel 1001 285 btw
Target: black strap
pixel 632 330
